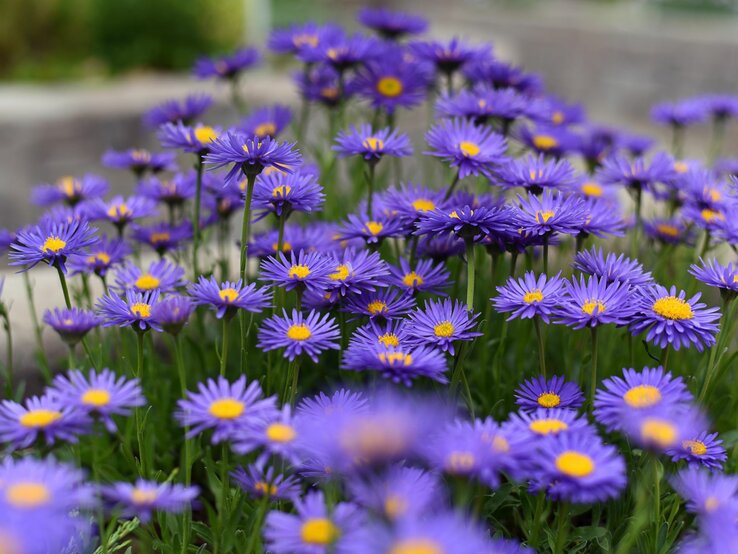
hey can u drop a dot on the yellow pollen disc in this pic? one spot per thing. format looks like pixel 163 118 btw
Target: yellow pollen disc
pixel 715 195
pixel 205 134
pixel 547 426
pixel 395 506
pixel 674 308
pixel 143 496
pixel 267 489
pixel 549 400
pixel 374 227
pixel 226 408
pixel 147 282
pixel 460 462
pixel 160 237
pixel 333 53
pixel 681 167
pixel 305 40
pixel 533 296
pixel 280 432
pixel 469 148
pixel 141 309
pixel 642 396
pixel 711 504
pixel 592 189
pixel 373 143
pixel 390 87
pixel 557 117
pixel 444 329
pixel 299 332
pixel 281 191
pixel 589 307
pixel 268 129
pixel 377 307
pixel 545 142
pixel 696 448
pixel 659 432
pixel 100 257
pixel 341 273
pixel 141 156
pixel 39 418
pixel 228 295
pixel 68 185
pixel 417 546
pixel 543 217
pixel 412 279
pixel 574 464
pixel 319 531
pixel 53 244
pixel 68 322
pixel 396 358
pixel 119 211
pixel 329 92
pixel 535 175
pixel 423 205
pixel 389 339
pixel 27 494
pixel 299 271
pixel 96 397
pixel 668 230
pixel 711 215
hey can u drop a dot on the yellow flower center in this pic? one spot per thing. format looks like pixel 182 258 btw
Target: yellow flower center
pixel 417 546
pixel 141 156
pixel 533 296
pixel 545 142
pixel 267 489
pixel 394 506
pixel 711 215
pixel 377 307
pixel 460 462
pixel 681 167
pixel 281 433
pixel 389 86
pixel 543 217
pixel 228 294
pixel 305 40
pixel 205 134
pixel 147 282
pixel 574 464
pixel 281 191
pixel 329 92
pixel 37 419
pixel 268 129
pixel 592 189
pixel 547 426
pixel 374 227
pixel 141 310
pixel 299 332
pixel 659 431
pixel 226 408
pixel 696 448
pixel 143 496
pixel 161 236
pixel 341 273
pixel 412 279
pixel 549 400
pixel 423 205
pixel 557 117
pixel 389 339
pixel 299 271
pixel 373 143
pixel 444 329
pixel 99 257
pixel 53 244
pixel 319 531
pixel 535 175
pixel 27 494
pixel 642 396
pixel 119 211
pixel 715 195
pixel 668 230
pixel 674 308
pixel 589 307
pixel 286 246
pixel 500 444
pixel 468 148
pixel 711 504
pixel 96 397
pixel 396 358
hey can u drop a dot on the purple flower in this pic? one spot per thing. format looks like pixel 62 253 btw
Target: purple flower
pixel 373 231
pixel 529 296
pixel 321 84
pixel 637 174
pixel 258 482
pixel 551 140
pixel 484 102
pixel 704 449
pixel 343 52
pixel 708 493
pixel 227 298
pixel 70 190
pixel 121 211
pixel 473 149
pixel 550 213
pixel 134 310
pixel 162 236
pixel 355 272
pixel 307 270
pixel 612 268
pixel 299 334
pixel 229 66
pixel 535 425
pixel 382 304
pixel 391 24
pixel 278 434
pixel 441 323
pixel 449 56
pixel 535 174
pixel 100 257
pixel 172 192
pixel 664 428
pixel 595 302
pixel 552 393
pixel 283 194
pixel 172 313
pixel 268 121
pixel 466 222
pixel 161 275
pixel 303 40
pixel 678 114
pixel 392 82
pixel 195 140
pixel 372 145
pixel 500 75
pixel 72 324
pixel 22 424
pixel 400 364
pixel 172 111
pixel 714 274
pixel 145 497
pixel 389 333
pixel 601 218
pixel 140 161
pixel 424 277
pixel 51 243
pixel 668 231
pixel 410 201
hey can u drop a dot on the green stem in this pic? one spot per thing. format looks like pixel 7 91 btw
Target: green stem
pixel 293 376
pixel 451 188
pixel 705 245
pixel 65 289
pixel 471 270
pixel 593 373
pixel 223 510
pixel 545 254
pixel 139 423
pixel 246 224
pixel 71 362
pixel 657 502
pixel 224 348
pixel 187 515
pixel 37 331
pixel 677 141
pixel 562 532
pixel 258 522
pixel 370 188
pixel 536 523
pixel 711 369
pixel 513 262
pixel 196 217
pixel 541 351
pixel 664 362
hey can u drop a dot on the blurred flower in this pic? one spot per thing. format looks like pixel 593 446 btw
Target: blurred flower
pixel 268 121
pixel 392 82
pixel 173 312
pixel 612 268
pixel 227 67
pixel 550 213
pixel 392 24
pixel 173 111
pixel 70 190
pixel 22 424
pixel 384 304
pixel 535 174
pixel 72 324
pixel 99 257
pixel 145 497
pixel 196 140
pixel 400 364
pixel 424 277
pixel 258 482
pixel 162 236
pixel 140 161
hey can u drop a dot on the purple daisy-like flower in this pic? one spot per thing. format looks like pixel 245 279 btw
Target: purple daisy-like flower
pixel 267 121
pixel 172 192
pixel 342 52
pixel 400 364
pixel 667 231
pixel 391 333
pixel 304 271
pixel 277 434
pixel 425 276
pixel 41 416
pixel 392 82
pixel 410 201
pixel 550 213
pixel 229 66
pixel 664 428
pixel 299 334
pixel 392 24
pixel 355 272
pixel 449 56
pixel 373 231
pixel 530 297
pixel 555 392
pixel 535 174
pixel 135 309
pixel 72 324
pixel 161 275
pixel 704 449
pixel 713 219
pixel 714 274
pixel 678 114
pixel 372 145
pixel 173 312
pixel 637 174
pixel 143 498
pixel 140 161
pixel 163 237
pixel 304 40
pixel 313 529
pixel 589 188
pixel 550 140
pixel 536 424
pixel 669 319
pixel 121 211
pixel 578 468
pixel 228 297
pixel 612 268
pixel 70 190
pixel 440 248
pixel 473 149
pixel 99 393
pixel 258 482
pixel 385 304
pixel 442 322
pixel 601 218
pixel 322 84
pixel 484 102
pixel 500 75
pixel 283 194
pixel 173 111
pixel 708 493
pixel 595 302
pixel 622 397
pixel 466 222
pixel 99 257
pixel 51 243
pixel 194 139
pixel 341 402
pixel 223 407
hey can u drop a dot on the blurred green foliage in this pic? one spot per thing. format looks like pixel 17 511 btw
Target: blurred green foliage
pixel 51 39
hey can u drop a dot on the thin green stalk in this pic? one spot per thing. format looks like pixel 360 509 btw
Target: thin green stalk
pixel 545 254
pixel 225 486
pixel 562 528
pixel 541 351
pixel 245 230
pixel 65 289
pixel 593 373
pixel 236 98
pixel 139 423
pixel 224 348
pixel 705 244
pixel 471 270
pixel 258 522
pixel 729 305
pixel 677 141
pixel 187 515
pixel 8 354
pixel 664 362
pixel 513 262
pixel 370 187
pixel 536 523
pixel 451 188
pixel 71 361
pixel 37 331
pixel 196 216
pixel 293 377
pixel 638 198
pixel 657 502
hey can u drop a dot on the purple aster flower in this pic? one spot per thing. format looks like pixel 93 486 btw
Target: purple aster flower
pixel 560 112
pixel 577 467
pixel 121 211
pixel 552 393
pixel 678 114
pixel 295 239
pixel 472 149
pixel 440 248
pixel 297 333
pixel 343 52
pixel 612 268
pixel 278 435
pixel 22 424
pixel 500 75
pixel 161 275
pixel 227 298
pixel 341 402
pixel 466 222
pixel 307 270
pixel 399 364
pixel 172 192
pixel 100 257
pixel 442 322
pixel 162 236
pixel 637 174
pixel 51 243
pixel 145 497
pixel 635 392
pixel 529 296
pixel 550 213
pixel 708 493
pixel 229 66
pixel 72 324
pixel 194 139
pixel 140 161
pixel 667 231
pixel 322 84
pixel 535 174
pixel 99 393
pixel 551 140
pixel 372 145
pixel 173 111
pixel 601 218
pixel 172 313
pixel 6 239
pixel 373 231
pixel 355 272
pixel 484 102
pixel 595 302
pixel 283 194
pixel 392 333
pixel 410 201
pixel 392 24
pixel 268 121
pixel 664 428
pixel 536 424
pixel 70 190
pixel 313 529
pixel 591 189
pixel 671 320
pixel 304 40
pixel 424 277
pixel 714 274
pixel 704 449
pixel 223 407
pixel 449 56
pixel 711 219
pixel 258 482
pixel 392 82
pixel 385 304
pixel 134 310
pixel 721 106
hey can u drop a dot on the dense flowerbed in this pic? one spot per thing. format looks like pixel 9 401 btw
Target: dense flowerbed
pixel 490 342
